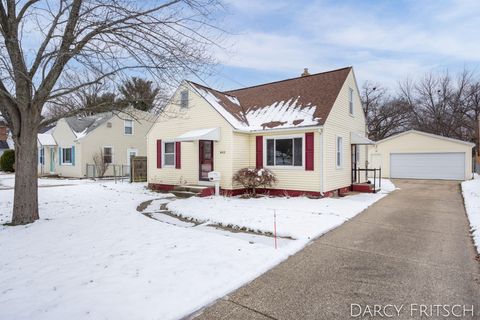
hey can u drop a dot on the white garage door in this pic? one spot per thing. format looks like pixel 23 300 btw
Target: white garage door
pixel 447 166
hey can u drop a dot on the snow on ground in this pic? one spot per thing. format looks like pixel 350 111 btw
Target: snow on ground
pixel 471 195
pixel 7 180
pixel 300 218
pixel 92 255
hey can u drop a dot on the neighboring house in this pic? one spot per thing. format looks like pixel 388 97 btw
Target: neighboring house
pixel 419 155
pixel 67 149
pixel 310 131
pixel 5 139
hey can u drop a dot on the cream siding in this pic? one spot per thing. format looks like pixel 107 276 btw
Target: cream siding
pixel 114 136
pixel 414 142
pixel 294 178
pixel 175 121
pixel 65 138
pixel 87 146
pixel 341 123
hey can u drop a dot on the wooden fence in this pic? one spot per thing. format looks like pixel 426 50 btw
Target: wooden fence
pixel 138 169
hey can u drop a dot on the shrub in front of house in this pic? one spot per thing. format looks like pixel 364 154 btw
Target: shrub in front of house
pixel 252 179
pixel 7 161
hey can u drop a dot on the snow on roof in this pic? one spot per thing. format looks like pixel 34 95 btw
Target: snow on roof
pixel 298 102
pixel 281 115
pixel 216 103
pixel 46 139
pixel 81 126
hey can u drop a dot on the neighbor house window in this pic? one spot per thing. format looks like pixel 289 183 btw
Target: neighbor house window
pixel 184 99
pixel 285 152
pixel 339 153
pixel 128 127
pixel 66 155
pixel 350 100
pixel 169 154
pixel 42 156
pixel 108 155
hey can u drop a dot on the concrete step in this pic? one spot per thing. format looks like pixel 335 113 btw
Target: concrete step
pixel 191 188
pixel 184 193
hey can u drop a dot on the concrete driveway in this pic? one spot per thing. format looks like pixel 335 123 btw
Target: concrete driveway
pixel 409 249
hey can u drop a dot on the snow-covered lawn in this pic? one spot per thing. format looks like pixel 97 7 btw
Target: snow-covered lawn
pixel 92 255
pixel 300 218
pixel 471 194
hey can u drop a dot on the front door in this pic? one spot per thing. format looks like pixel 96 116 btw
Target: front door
pixel 52 160
pixel 131 153
pixel 205 158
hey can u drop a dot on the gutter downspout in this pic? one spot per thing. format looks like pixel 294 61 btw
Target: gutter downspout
pixel 322 161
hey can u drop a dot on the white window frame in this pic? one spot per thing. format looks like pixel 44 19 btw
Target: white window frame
pixel 339 152
pixel 182 93
pixel 350 101
pixel 71 157
pixel 113 153
pixel 292 167
pixel 164 153
pixel 129 150
pixel 125 126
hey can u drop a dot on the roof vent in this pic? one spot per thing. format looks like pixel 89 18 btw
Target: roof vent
pixel 305 72
pixel 109 124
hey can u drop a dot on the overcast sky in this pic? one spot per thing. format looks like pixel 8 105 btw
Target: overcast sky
pixel 385 41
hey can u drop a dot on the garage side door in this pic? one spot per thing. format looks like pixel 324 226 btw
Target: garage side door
pixel 447 166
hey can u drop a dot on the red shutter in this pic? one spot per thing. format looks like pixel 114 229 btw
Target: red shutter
pixel 309 151
pixel 259 145
pixel 159 153
pixel 178 155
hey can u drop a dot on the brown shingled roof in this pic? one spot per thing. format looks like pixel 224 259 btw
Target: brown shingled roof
pixel 319 90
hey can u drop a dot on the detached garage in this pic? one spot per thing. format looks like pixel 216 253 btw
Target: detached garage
pixel 419 155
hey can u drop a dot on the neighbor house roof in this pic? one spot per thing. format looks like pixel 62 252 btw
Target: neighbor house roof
pixel 46 139
pixel 81 126
pixel 431 135
pixel 297 102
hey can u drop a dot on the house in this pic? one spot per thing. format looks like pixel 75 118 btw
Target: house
pixel 310 131
pixel 419 155
pixel 6 142
pixel 71 145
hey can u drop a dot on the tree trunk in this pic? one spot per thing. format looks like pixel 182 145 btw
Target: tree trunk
pixel 25 202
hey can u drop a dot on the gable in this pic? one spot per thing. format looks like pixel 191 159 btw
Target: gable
pixel 411 138
pixel 202 112
pixel 299 102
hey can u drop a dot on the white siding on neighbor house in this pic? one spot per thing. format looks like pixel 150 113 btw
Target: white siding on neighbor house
pixel 113 136
pixel 417 143
pixel 293 178
pixel 340 123
pixel 175 121
pixel 65 138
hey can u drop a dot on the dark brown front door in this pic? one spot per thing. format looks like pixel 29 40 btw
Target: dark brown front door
pixel 205 158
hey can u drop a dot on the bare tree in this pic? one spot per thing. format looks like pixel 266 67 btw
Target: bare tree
pixel 48 43
pixel 101 166
pixel 386 114
pixel 439 104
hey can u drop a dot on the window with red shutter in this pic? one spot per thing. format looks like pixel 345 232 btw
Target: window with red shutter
pixel 159 153
pixel 309 154
pixel 178 155
pixel 259 153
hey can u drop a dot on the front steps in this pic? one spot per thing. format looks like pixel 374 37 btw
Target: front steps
pixel 364 187
pixel 188 191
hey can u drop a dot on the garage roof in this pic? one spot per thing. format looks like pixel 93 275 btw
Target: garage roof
pixel 431 135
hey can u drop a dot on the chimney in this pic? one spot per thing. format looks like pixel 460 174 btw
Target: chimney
pixel 305 72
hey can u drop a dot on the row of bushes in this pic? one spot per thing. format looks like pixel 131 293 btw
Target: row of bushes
pixel 7 161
